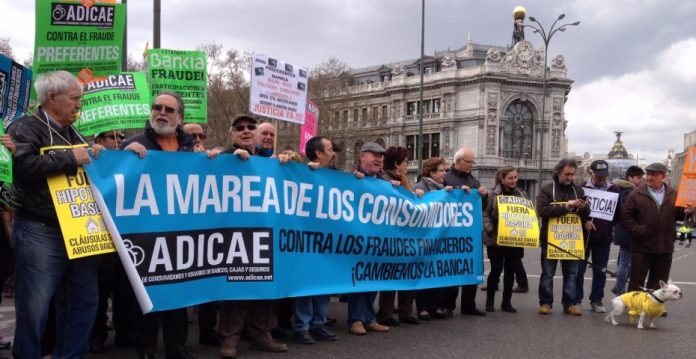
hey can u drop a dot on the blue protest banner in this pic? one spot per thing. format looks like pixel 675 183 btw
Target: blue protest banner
pixel 192 230
pixel 15 86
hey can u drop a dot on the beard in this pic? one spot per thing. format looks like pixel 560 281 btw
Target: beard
pixel 161 130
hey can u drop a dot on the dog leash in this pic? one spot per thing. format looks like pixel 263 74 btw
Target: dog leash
pixel 602 269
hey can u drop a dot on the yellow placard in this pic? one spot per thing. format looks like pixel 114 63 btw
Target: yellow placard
pixel 518 225
pixel 81 223
pixel 565 232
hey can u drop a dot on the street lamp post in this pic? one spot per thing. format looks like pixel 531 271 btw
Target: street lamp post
pixel 546 37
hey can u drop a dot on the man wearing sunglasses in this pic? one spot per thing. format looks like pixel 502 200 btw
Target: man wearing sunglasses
pixel 196 130
pixel 260 315
pixel 110 139
pixel 163 132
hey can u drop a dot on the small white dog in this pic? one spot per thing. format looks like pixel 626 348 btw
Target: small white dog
pixel 644 304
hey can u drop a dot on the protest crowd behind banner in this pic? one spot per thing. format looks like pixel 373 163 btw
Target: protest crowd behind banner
pixel 190 230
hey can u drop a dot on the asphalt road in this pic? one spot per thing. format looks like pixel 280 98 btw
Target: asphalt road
pixel 525 334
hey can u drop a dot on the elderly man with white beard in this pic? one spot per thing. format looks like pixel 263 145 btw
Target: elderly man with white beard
pixel 162 133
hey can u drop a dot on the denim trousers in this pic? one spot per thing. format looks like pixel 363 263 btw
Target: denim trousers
pixel 600 259
pixel 361 307
pixel 310 312
pixel 548 270
pixel 42 270
pixel 624 268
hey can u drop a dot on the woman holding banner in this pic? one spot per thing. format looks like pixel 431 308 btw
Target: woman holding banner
pixel 503 258
pixel 432 179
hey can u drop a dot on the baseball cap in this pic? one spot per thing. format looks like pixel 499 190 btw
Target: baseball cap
pixel 243 117
pixel 600 168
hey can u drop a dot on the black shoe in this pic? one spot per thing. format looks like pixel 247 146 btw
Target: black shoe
pixel 507 307
pixel 321 333
pixel 520 289
pixel 490 308
pixel 303 338
pixel 122 340
pixel 146 356
pixel 474 311
pixel 447 313
pixel 390 322
pixel 330 321
pixel 425 317
pixel 409 320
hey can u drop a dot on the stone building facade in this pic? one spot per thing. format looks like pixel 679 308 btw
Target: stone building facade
pixel 484 97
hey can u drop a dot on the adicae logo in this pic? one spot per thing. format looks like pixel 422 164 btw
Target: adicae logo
pixel 59 13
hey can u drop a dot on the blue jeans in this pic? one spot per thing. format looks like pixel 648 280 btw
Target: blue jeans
pixel 600 259
pixel 361 307
pixel 624 268
pixel 548 270
pixel 42 270
pixel 310 312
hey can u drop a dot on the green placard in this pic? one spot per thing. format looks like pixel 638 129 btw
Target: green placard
pixel 85 41
pixel 114 102
pixel 183 72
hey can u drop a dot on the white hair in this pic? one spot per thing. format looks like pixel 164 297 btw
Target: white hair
pixel 57 82
pixel 461 152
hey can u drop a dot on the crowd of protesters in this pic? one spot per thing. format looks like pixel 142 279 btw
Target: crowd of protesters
pixel 62 304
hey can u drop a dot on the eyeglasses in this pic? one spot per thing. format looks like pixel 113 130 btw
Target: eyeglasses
pixel 167 109
pixel 240 128
pixel 114 137
pixel 471 162
pixel 201 136
pixel 442 170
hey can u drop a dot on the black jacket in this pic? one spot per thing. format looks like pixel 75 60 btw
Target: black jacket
pixel 457 178
pixel 552 193
pixel 622 237
pixel 149 140
pixel 32 199
pixel 605 229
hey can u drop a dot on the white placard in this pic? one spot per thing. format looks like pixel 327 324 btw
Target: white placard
pixel 602 203
pixel 278 89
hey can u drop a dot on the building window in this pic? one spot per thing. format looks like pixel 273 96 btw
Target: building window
pixel 345 119
pixel 364 116
pixel 373 115
pixel 356 119
pixel 430 147
pixel 426 106
pixel 516 131
pixel 436 105
pixel 385 111
pixel 410 108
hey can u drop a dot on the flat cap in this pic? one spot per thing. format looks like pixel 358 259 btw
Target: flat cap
pixel 656 167
pixel 372 147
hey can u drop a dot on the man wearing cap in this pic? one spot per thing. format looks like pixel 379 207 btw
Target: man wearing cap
pixel 259 315
pixel 459 176
pixel 361 311
pixel 598 234
pixel 650 215
pixel 622 238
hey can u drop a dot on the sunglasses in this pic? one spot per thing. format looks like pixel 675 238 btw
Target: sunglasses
pixel 240 128
pixel 202 136
pixel 167 109
pixel 114 137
